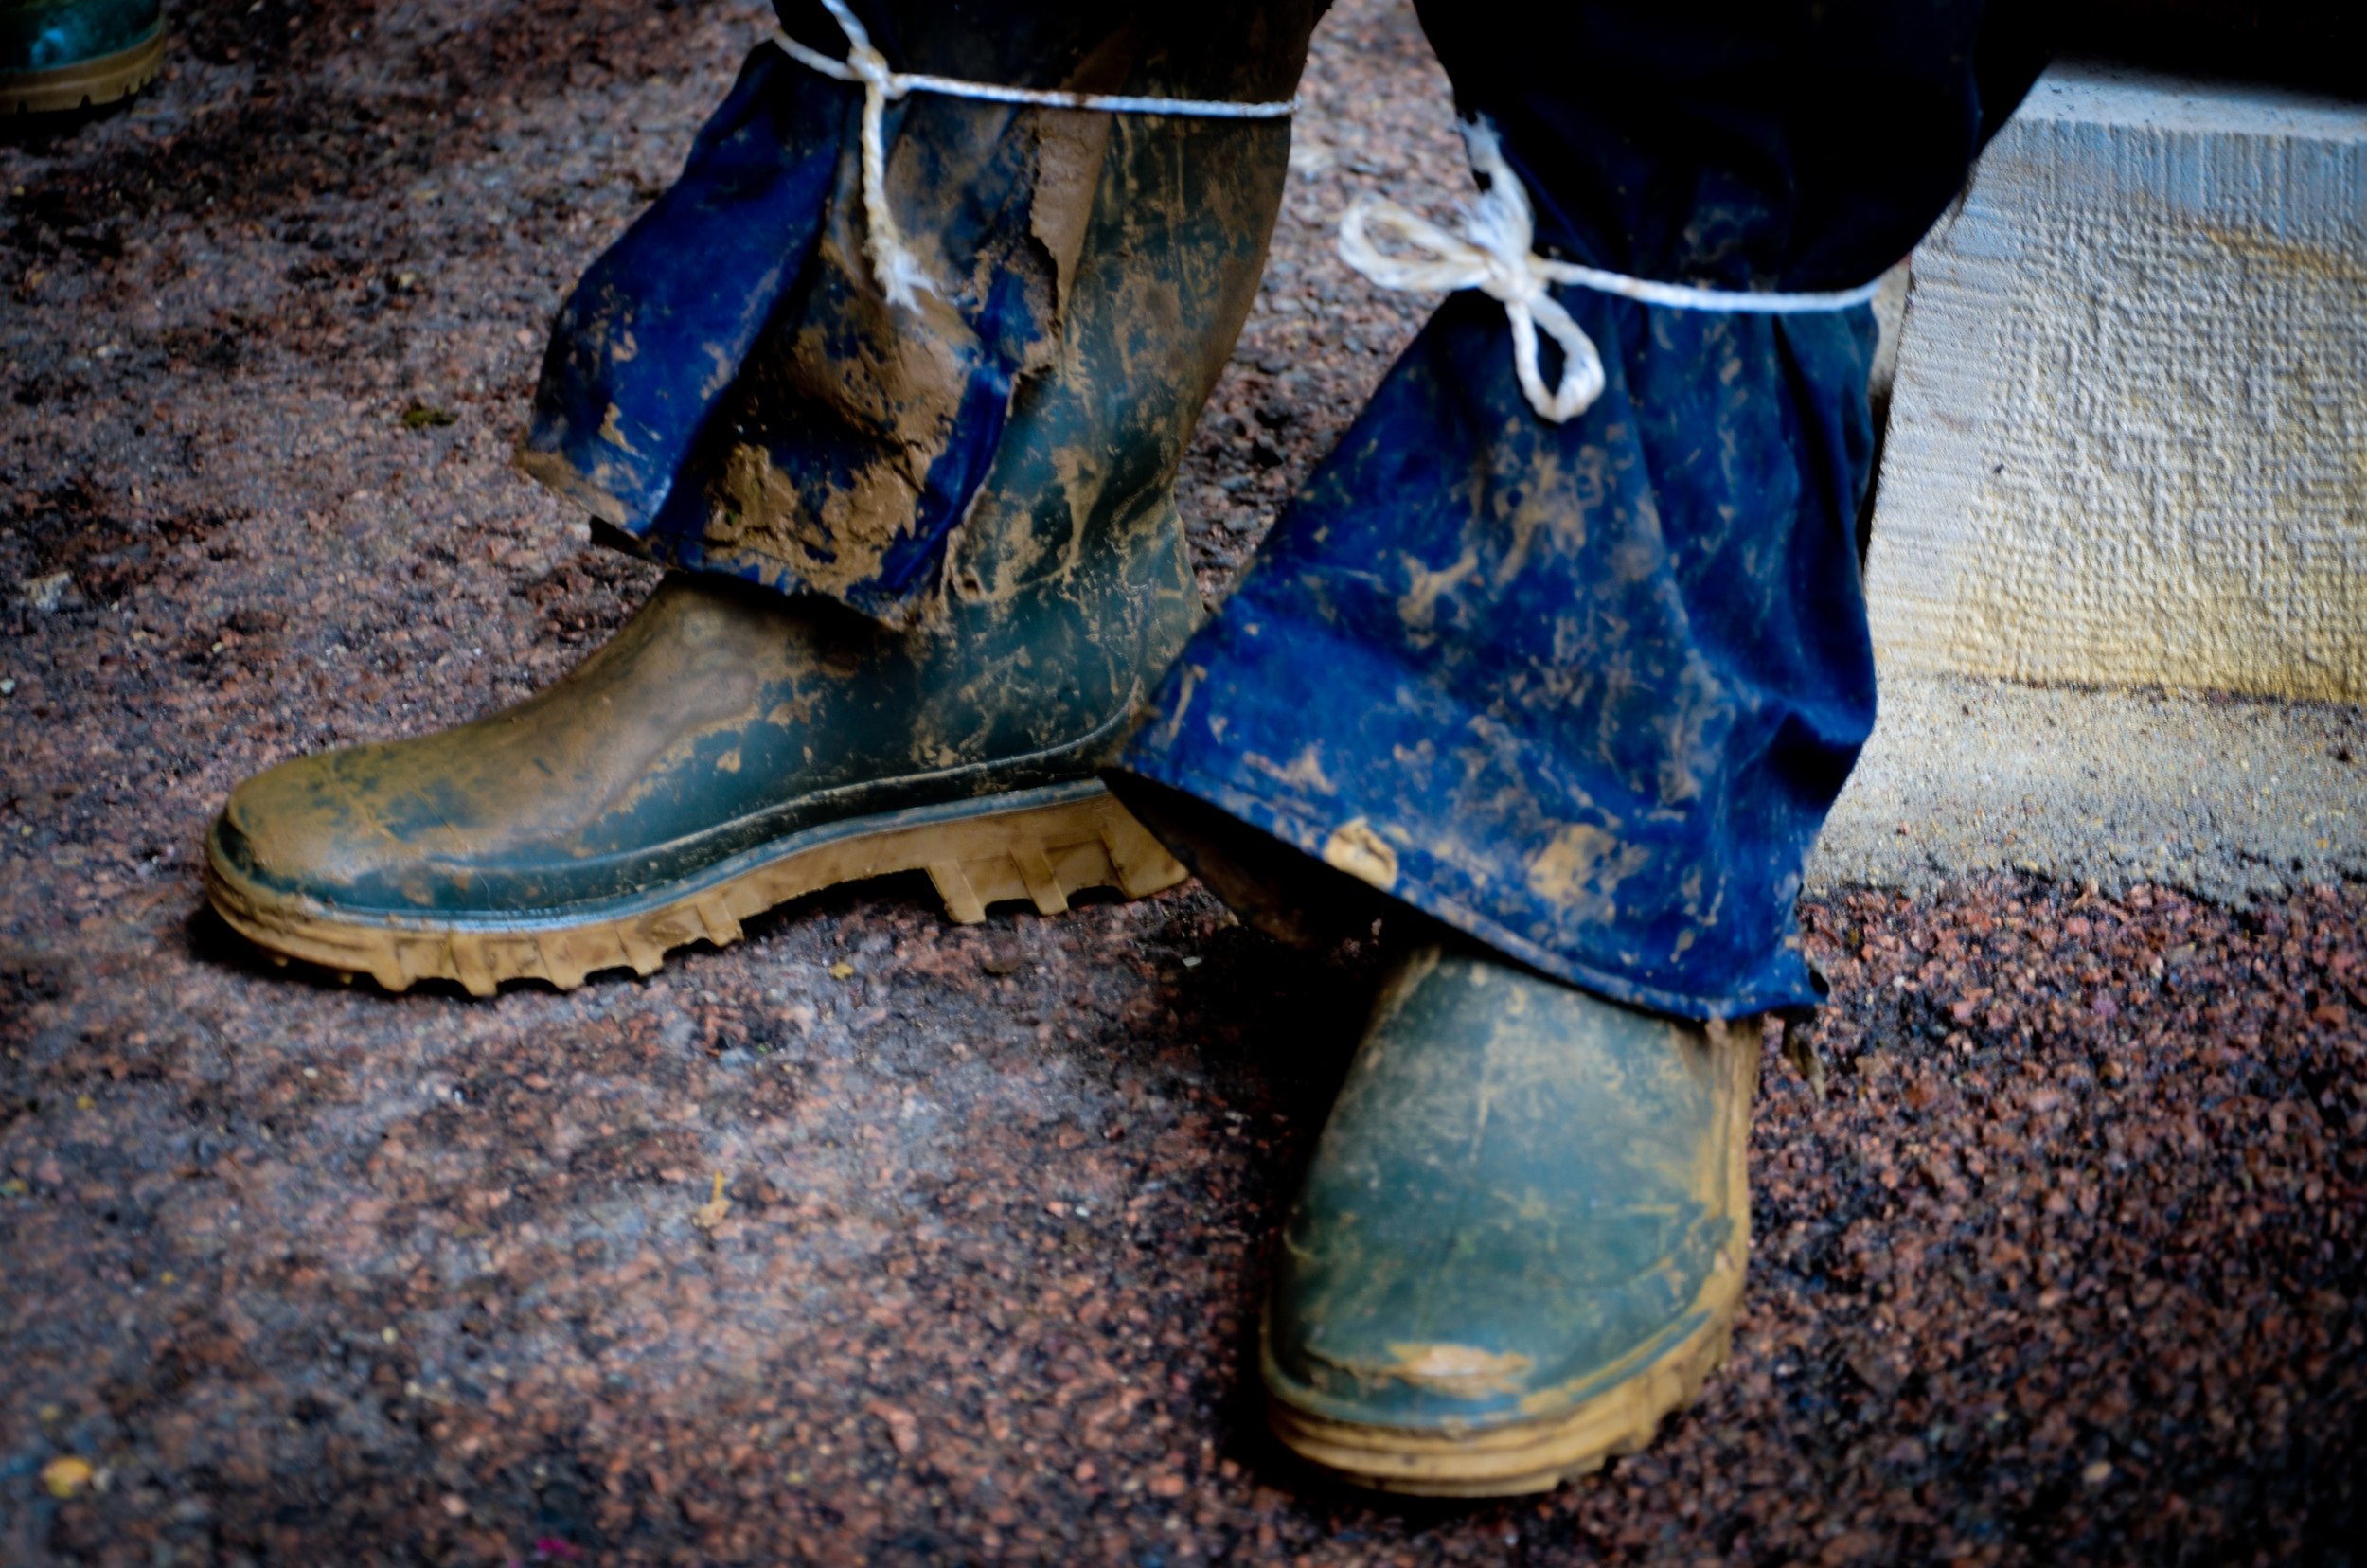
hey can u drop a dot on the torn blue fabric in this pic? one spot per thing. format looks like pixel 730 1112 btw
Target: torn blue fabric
pixel 819 455
pixel 657 328
pixel 680 376
pixel 728 388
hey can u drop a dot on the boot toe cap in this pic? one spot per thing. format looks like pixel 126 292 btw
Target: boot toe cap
pixel 1470 1337
pixel 301 830
pixel 1525 1197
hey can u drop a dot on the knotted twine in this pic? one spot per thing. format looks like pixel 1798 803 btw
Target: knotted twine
pixel 1492 254
pixel 892 264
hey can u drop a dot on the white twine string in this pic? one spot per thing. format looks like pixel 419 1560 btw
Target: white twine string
pixel 892 264
pixel 1492 254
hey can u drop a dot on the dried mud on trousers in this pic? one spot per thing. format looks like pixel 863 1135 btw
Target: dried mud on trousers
pixel 2065 1266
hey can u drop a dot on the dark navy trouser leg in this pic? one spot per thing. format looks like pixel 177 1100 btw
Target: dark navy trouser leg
pixel 1586 690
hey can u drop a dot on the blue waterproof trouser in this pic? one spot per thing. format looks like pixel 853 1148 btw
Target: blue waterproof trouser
pixel 1584 690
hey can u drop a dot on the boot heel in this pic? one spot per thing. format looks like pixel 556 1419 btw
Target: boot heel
pixel 1047 853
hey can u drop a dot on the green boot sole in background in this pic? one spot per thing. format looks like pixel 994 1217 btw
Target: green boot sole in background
pixel 57 55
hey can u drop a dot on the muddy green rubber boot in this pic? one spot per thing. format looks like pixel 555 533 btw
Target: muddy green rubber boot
pixel 62 55
pixel 732 748
pixel 1523 1239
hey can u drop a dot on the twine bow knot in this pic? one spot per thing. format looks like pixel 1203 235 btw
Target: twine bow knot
pixel 1492 254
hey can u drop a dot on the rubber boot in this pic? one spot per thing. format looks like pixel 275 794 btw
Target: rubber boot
pixel 734 747
pixel 1295 898
pixel 1523 1239
pixel 62 55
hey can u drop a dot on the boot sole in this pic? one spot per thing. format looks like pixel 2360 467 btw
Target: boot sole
pixel 1038 845
pixel 86 84
pixel 1524 1456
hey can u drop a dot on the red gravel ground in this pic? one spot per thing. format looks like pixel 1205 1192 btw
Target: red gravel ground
pixel 2064 1266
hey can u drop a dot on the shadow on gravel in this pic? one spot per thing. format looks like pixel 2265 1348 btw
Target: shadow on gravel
pixel 46 134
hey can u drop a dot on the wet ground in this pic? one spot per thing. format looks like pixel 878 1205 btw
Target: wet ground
pixel 2062 1264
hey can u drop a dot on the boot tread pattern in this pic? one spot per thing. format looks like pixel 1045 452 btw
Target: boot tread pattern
pixel 86 84
pixel 1039 854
